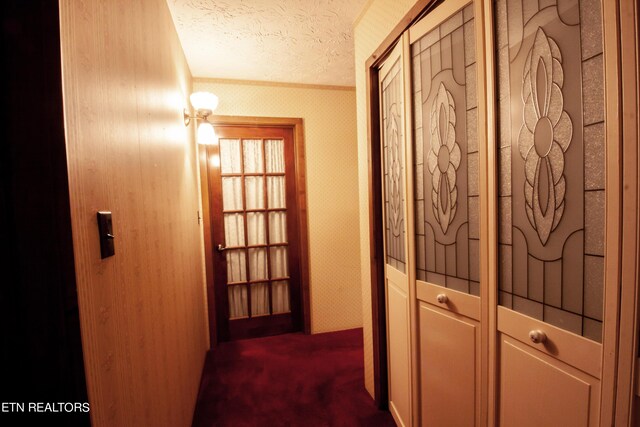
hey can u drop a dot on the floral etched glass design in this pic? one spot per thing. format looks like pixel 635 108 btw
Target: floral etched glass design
pixel 544 136
pixel 393 166
pixel 446 190
pixel 444 158
pixel 551 183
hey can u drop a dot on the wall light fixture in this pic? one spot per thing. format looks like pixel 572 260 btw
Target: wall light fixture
pixel 203 103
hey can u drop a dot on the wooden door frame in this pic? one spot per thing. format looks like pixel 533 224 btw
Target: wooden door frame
pixel 628 358
pixel 296 125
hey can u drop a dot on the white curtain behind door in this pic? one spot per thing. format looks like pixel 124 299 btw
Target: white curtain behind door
pixel 264 263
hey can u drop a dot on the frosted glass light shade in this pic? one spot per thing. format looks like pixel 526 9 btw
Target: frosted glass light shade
pixel 206 134
pixel 204 101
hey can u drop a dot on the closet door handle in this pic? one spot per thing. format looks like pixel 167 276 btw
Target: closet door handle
pixel 442 298
pixel 537 336
pixel 221 248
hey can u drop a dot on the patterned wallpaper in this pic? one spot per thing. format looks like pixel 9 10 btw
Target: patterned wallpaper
pixel 329 116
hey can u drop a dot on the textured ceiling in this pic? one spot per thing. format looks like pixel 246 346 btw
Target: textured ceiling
pixel 291 41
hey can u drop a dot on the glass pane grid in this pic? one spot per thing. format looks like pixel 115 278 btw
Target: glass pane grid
pixel 280 297
pixel 234 230
pixel 274 149
pixel 230 162
pixel 238 302
pixel 260 300
pixel 250 182
pixel 253 156
pixel 256 228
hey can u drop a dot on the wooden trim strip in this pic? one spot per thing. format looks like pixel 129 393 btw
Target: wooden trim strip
pixel 628 339
pixel 419 9
pixel 459 302
pixel 613 237
pixel 301 188
pixel 487 143
pixel 208 243
pixel 272 84
pixel 260 174
pixel 637 387
pixel 267 210
pixel 410 247
pixel 570 348
pixel 435 18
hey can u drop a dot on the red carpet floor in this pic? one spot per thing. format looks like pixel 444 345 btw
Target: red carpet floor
pixel 288 380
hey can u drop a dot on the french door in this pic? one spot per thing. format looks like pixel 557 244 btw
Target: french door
pixel 255 236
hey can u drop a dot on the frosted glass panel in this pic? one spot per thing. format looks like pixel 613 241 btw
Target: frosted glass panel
pixel 279 262
pixel 447 205
pixel 230 156
pixel 276 192
pixel 280 296
pixel 259 299
pixel 256 228
pixel 237 302
pixel 254 189
pixel 551 210
pixel 277 227
pixel 233 230
pixel 393 157
pixel 252 149
pixel 258 264
pixel 232 193
pixel 236 266
pixel 274 149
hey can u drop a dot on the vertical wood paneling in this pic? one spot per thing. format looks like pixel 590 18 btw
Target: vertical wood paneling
pixel 142 312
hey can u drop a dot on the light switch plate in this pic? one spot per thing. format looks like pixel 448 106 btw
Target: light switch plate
pixel 105 228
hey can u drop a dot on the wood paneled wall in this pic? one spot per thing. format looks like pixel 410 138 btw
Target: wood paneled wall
pixel 142 311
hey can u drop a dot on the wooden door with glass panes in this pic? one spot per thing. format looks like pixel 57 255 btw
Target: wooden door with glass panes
pixel 254 230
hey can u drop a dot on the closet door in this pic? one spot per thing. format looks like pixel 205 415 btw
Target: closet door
pixel 553 209
pixel 447 213
pixel 397 262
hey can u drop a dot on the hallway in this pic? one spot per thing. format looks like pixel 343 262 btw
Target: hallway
pixel 288 380
pixel 467 218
